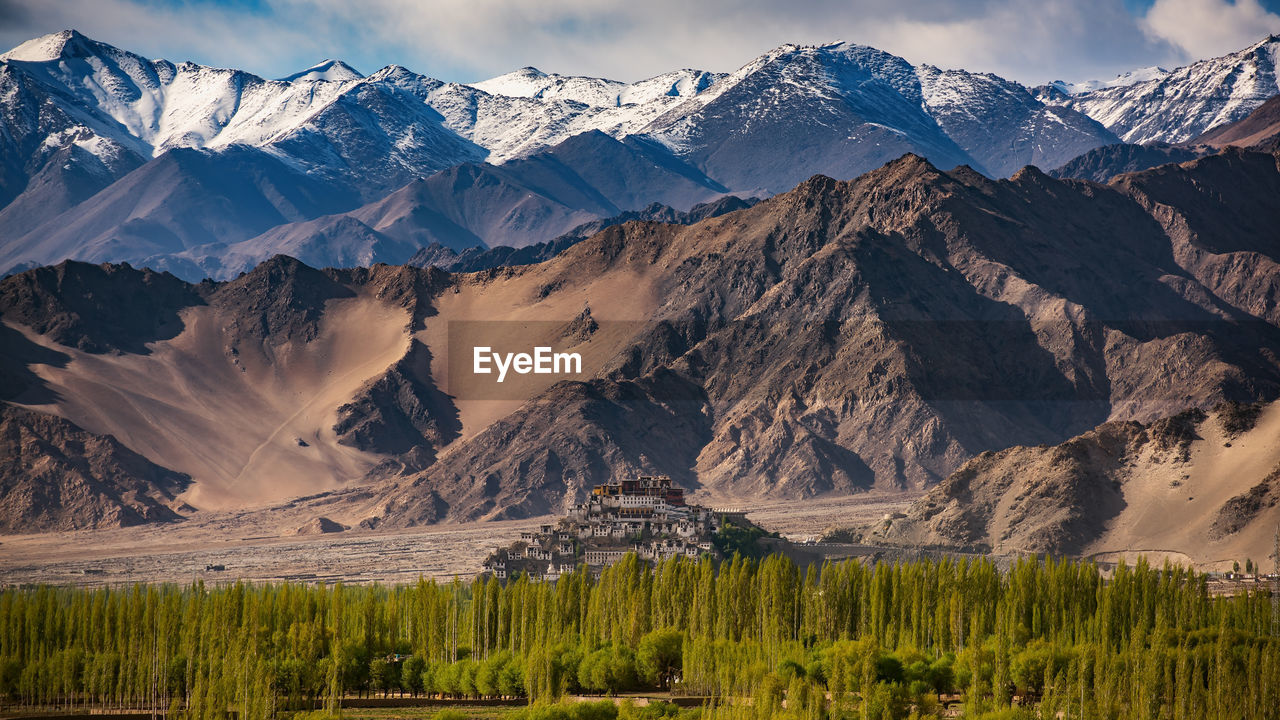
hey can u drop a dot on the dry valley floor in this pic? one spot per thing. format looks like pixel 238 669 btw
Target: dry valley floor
pixel 265 547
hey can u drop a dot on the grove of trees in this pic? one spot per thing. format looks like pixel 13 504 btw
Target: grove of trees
pixel 755 639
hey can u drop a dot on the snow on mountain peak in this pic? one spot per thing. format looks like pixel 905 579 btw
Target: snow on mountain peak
pixel 328 71
pixel 153 105
pixel 391 73
pixel 530 82
pixel 1177 105
pixel 1132 77
pixel 1268 40
pixel 682 83
pixel 49 47
pixel 834 67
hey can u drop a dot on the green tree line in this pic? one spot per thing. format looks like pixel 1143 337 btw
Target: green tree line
pixel 756 639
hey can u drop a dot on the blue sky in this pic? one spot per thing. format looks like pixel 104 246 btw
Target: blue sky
pixel 1031 41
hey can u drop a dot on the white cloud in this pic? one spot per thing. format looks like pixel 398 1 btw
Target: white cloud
pixel 1208 28
pixel 1030 40
pixel 465 40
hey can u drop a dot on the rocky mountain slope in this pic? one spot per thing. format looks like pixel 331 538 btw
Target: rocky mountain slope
pixel 841 109
pixel 56 476
pixel 1103 163
pixel 114 157
pixel 1195 486
pixel 1219 216
pixel 240 382
pixel 1260 129
pixel 83 114
pixel 850 307
pixel 371 133
pixel 841 336
pixel 526 201
pixel 181 200
pixel 1061 88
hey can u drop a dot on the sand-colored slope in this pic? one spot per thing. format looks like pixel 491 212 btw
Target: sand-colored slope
pixel 512 313
pixel 236 421
pixel 1183 488
pixel 1170 506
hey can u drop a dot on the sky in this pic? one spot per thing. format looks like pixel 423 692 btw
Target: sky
pixel 1031 41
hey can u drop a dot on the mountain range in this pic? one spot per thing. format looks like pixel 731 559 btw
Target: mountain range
pixel 206 171
pixel 1179 105
pixel 842 336
pixel 238 294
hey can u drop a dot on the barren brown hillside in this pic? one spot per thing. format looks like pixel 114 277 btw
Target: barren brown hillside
pixel 843 336
pixel 1199 488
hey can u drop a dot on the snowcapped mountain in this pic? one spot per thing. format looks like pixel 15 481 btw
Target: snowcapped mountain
pixel 328 71
pixel 1178 105
pixel 837 110
pixel 89 130
pixel 325 121
pixel 151 106
pixel 843 109
pixel 527 111
pixel 329 116
pixel 88 117
pixel 1001 125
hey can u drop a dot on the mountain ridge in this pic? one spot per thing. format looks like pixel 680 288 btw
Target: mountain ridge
pixel 1179 105
pixel 874 333
pixel 56 476
pixel 365 137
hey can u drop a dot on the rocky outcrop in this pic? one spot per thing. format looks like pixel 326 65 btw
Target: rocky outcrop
pixel 278 301
pixel 98 308
pixel 542 458
pixel 1220 218
pixel 400 411
pixel 1116 482
pixel 1242 509
pixel 1038 499
pixel 321 526
pixel 57 476
pixel 1237 418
